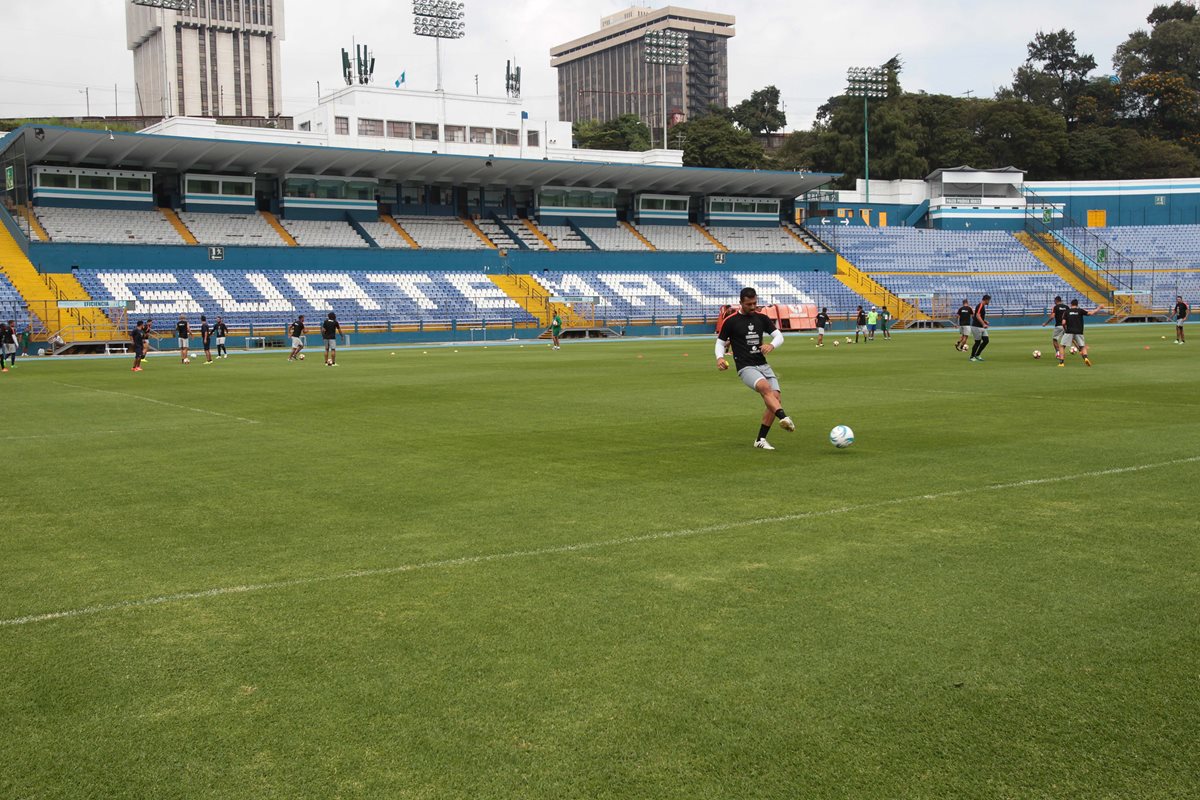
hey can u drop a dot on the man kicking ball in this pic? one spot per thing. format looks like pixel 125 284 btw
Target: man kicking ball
pixel 744 331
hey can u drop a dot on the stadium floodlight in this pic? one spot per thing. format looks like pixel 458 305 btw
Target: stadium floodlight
pixel 666 48
pixel 169 5
pixel 439 19
pixel 867 82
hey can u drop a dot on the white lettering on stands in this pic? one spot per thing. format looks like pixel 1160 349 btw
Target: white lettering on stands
pixel 478 288
pixel 306 284
pixel 772 288
pixel 150 302
pixel 272 298
pixel 632 287
pixel 408 284
pixel 694 293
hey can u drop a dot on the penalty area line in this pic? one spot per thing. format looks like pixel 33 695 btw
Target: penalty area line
pixel 159 402
pixel 575 548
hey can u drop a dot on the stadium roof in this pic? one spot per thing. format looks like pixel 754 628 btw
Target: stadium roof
pixel 156 153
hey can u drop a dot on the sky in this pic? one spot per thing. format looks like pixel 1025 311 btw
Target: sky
pixel 57 49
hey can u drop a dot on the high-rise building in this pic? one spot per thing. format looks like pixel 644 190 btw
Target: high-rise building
pixel 605 74
pixel 218 58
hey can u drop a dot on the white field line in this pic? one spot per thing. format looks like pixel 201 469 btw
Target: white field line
pixel 158 402
pixel 573 548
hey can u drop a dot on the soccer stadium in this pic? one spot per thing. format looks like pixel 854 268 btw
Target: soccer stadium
pixel 471 562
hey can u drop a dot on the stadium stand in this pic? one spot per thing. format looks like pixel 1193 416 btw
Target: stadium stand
pixel 677 238
pixel 1166 258
pixel 527 237
pixel 618 239
pixel 565 237
pixel 442 233
pixel 757 239
pixel 496 234
pixel 385 235
pixel 106 225
pixel 320 233
pixel 230 229
pixel 12 305
pixel 806 237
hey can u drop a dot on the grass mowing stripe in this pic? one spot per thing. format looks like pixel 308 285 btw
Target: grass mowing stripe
pixel 159 402
pixel 579 547
pixel 1018 396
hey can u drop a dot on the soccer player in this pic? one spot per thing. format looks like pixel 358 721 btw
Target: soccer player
pixel 206 339
pixel 872 323
pixel 1073 330
pixel 138 335
pixel 7 336
pixel 221 330
pixel 860 324
pixel 329 332
pixel 979 328
pixel 1180 313
pixel 1056 315
pixel 743 332
pixel 884 316
pixel 556 330
pixel 297 338
pixel 965 312
pixel 183 331
pixel 822 324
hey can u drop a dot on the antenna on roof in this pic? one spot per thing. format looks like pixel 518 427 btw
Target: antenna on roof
pixel 363 68
pixel 512 80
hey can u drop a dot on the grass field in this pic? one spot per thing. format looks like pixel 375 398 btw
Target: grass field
pixel 512 573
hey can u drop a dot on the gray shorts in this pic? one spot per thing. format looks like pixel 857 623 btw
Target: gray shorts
pixel 297 341
pixel 183 343
pixel 820 331
pixel 1069 339
pixel 1058 333
pixel 220 341
pixel 978 333
pixel 752 375
pixel 964 330
pixel 331 344
pixel 10 347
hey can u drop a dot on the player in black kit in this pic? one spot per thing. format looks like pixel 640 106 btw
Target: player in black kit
pixel 822 324
pixel 1180 313
pixel 965 312
pixel 221 330
pixel 297 338
pixel 1056 314
pixel 206 332
pixel 744 331
pixel 329 332
pixel 979 328
pixel 138 335
pixel 182 332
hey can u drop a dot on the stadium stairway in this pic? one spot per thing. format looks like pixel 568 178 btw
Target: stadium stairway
pixel 876 293
pixel 176 223
pixel 798 238
pixel 282 231
pixel 390 220
pixel 470 223
pixel 638 235
pixel 42 293
pixel 534 298
pixel 34 223
pixel 536 231
pixel 1094 293
pixel 708 235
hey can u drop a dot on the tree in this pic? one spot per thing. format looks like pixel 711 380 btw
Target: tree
pixel 1159 73
pixel 713 141
pixel 1054 74
pixel 760 113
pixel 626 132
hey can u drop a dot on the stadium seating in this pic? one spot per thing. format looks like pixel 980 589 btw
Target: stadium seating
pixel 677 238
pixel 757 239
pixel 496 234
pixel 12 305
pixel 1166 259
pixel 441 233
pixel 322 233
pixel 565 237
pixel 385 235
pixel 106 226
pixel 617 239
pixel 527 237
pixel 231 229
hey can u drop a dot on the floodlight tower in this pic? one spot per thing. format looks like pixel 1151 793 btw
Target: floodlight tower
pixel 163 7
pixel 866 82
pixel 666 48
pixel 439 19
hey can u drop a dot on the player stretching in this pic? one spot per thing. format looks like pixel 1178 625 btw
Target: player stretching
pixel 1056 315
pixel 1180 314
pixel 979 328
pixel 206 339
pixel 744 331
pixel 297 338
pixel 329 332
pixel 1073 330
pixel 182 332
pixel 221 330
pixel 138 335
pixel 965 312
pixel 822 324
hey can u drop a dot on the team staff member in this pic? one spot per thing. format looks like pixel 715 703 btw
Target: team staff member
pixel 1073 330
pixel 743 332
pixel 221 330
pixel 965 313
pixel 872 323
pixel 556 330
pixel 138 335
pixel 329 332
pixel 979 328
pixel 183 332
pixel 822 324
pixel 297 338
pixel 1180 314
pixel 884 316
pixel 1056 315
pixel 206 339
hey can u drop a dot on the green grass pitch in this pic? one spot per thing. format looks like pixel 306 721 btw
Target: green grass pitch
pixel 517 573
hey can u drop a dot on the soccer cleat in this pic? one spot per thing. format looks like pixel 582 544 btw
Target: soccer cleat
pixel 1087 361
pixel 972 358
pixel 763 444
pixel 787 424
pixel 1061 364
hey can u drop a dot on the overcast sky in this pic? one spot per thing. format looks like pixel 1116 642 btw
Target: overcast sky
pixel 56 48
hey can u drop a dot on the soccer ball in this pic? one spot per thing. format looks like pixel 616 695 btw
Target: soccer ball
pixel 301 356
pixel 1037 353
pixel 836 342
pixel 1074 349
pixel 841 437
pixel 187 361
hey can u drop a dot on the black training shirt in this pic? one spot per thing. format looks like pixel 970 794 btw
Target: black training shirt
pixel 1181 310
pixel 7 335
pixel 964 314
pixel 297 328
pixel 138 338
pixel 1073 321
pixel 205 331
pixel 744 332
pixel 329 329
pixel 1060 311
pixel 181 328
pixel 981 312
pixel 221 329
pixel 822 320
pixel 862 318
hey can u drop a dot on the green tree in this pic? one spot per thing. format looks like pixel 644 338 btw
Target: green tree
pixel 626 132
pixel 714 141
pixel 1054 74
pixel 760 113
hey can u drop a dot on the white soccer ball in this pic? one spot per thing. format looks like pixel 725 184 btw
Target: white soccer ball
pixel 841 437
pixel 1037 353
pixel 849 340
pixel 302 356
pixel 836 342
pixel 1074 349
pixel 187 361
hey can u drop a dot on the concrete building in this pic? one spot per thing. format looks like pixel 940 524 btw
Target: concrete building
pixel 604 74
pixel 220 58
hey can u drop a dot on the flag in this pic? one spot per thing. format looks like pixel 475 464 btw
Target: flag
pixel 400 80
pixel 524 115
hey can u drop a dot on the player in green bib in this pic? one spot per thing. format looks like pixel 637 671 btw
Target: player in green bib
pixel 556 329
